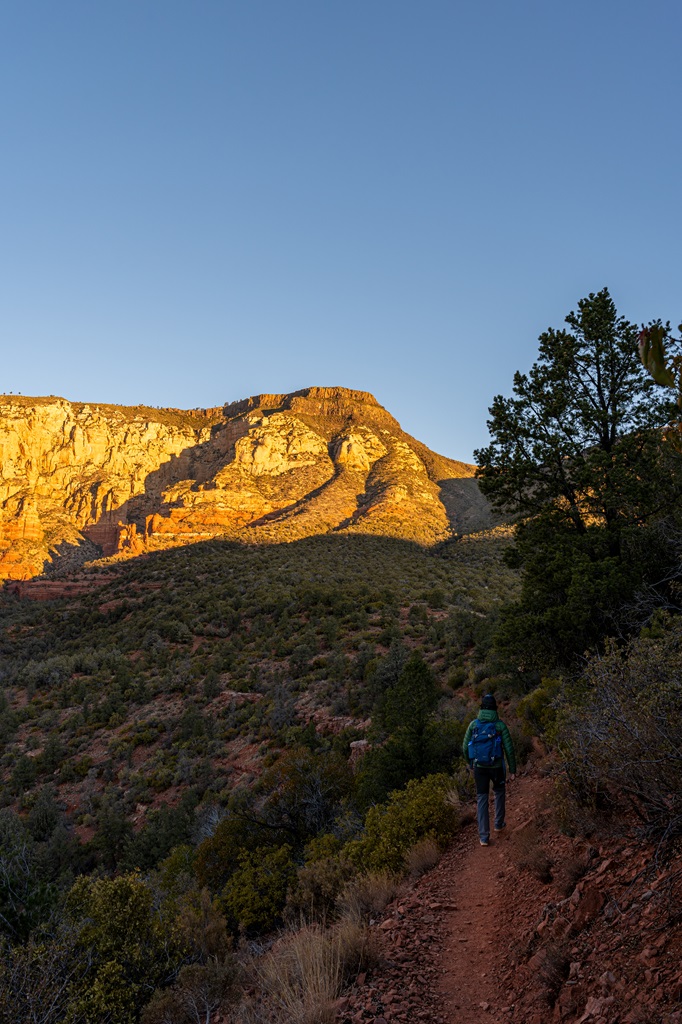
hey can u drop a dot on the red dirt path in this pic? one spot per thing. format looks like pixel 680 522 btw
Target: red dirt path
pixel 448 941
pixel 487 936
pixel 483 885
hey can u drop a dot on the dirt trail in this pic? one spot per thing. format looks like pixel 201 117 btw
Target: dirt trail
pixel 480 886
pixel 450 942
pixel 538 927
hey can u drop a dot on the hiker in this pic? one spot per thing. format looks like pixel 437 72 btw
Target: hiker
pixel 486 745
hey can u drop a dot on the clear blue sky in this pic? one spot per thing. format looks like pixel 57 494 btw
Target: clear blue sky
pixel 203 200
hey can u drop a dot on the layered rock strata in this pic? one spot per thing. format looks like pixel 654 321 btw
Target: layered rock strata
pixel 271 468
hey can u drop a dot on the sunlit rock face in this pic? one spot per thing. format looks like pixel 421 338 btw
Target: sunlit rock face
pixel 279 444
pixel 80 481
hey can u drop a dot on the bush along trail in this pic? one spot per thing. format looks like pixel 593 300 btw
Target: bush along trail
pixel 536 927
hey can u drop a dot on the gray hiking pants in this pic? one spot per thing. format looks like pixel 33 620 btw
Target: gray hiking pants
pixel 483 777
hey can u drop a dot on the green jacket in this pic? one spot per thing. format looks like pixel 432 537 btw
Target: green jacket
pixel 491 716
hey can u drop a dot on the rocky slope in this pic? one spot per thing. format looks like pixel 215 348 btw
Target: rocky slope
pixel 78 482
pixel 539 927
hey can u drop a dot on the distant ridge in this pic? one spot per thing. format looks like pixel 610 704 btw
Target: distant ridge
pixel 81 481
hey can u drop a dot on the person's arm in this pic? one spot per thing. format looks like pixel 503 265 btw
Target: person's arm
pixel 509 751
pixel 465 743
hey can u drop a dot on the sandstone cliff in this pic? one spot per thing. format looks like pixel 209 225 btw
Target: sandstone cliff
pixel 79 482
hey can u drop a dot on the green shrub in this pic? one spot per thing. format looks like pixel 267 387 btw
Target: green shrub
pixel 26 895
pixel 523 743
pixel 317 888
pixel 537 710
pixel 253 899
pixel 424 809
pixel 618 730
pixel 24 774
pixel 457 676
pixel 130 946
pixel 410 753
pixel 199 991
pixel 218 854
pixel 321 847
pixel 164 829
pixel 436 598
pixel 176 871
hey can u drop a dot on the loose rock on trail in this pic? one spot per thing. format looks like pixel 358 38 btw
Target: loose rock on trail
pixel 447 942
pixel 475 982
pixel 538 927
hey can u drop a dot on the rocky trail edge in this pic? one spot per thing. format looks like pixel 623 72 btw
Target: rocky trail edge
pixel 536 927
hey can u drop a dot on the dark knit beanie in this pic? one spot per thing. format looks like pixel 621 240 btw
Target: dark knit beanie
pixel 489 703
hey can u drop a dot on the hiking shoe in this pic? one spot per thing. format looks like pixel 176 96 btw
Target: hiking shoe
pixel 484 842
pixel 498 828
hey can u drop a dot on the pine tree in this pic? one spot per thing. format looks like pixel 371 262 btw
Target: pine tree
pixel 577 457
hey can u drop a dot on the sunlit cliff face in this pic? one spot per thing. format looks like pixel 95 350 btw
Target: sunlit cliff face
pixel 80 482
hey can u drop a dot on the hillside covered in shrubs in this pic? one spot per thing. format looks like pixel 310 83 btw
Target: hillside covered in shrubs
pixel 218 763
pixel 221 740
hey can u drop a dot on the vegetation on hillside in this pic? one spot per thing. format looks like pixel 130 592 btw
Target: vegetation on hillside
pixel 227 742
pixel 194 418
pixel 177 745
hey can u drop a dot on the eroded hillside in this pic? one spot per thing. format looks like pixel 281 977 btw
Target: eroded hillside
pixel 78 482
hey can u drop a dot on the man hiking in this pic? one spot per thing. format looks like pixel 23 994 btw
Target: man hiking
pixel 486 745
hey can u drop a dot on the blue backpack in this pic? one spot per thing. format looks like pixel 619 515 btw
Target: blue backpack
pixel 485 745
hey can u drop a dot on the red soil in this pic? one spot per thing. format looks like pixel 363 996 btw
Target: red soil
pixel 482 938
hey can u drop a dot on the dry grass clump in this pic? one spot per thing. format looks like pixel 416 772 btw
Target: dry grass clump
pixel 553 968
pixel 365 897
pixel 572 870
pixel 530 855
pixel 303 975
pixel 422 857
pixel 301 978
pixel 468 815
pixel 462 794
pixel 464 787
pixel 574 817
pixel 315 895
pixel 359 946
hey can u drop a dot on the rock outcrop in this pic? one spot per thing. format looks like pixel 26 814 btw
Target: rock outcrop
pixel 122 481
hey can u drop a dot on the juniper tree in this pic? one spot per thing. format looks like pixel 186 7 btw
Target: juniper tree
pixel 576 457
